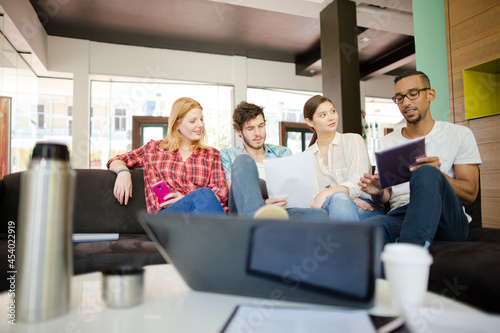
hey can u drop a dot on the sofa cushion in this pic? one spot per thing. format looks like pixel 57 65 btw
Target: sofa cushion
pixel 9 200
pixel 135 250
pixel 467 272
pixel 96 208
pixel 484 235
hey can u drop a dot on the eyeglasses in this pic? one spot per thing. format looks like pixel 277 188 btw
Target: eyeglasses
pixel 414 94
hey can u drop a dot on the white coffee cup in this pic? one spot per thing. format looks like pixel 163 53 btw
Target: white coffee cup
pixel 406 268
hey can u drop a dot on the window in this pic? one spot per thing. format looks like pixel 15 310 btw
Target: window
pixel 40 124
pixel 115 101
pixel 120 120
pixel 280 106
pixel 146 128
pixel 295 136
pixel 70 120
pixel 382 116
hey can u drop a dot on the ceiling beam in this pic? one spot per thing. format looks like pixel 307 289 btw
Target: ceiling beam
pixel 307 63
pixel 385 19
pixel 304 61
pixel 389 61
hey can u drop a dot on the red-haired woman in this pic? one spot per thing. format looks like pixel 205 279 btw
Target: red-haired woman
pixel 192 171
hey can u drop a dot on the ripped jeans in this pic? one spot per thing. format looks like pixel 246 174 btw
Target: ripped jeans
pixel 341 208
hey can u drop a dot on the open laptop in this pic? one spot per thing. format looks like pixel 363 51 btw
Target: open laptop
pixel 323 263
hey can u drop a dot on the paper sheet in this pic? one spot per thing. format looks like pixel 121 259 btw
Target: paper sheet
pixel 292 178
pixel 438 318
pixel 256 319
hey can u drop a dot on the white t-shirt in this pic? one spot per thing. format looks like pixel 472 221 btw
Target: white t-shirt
pixel 348 160
pixel 261 170
pixel 453 144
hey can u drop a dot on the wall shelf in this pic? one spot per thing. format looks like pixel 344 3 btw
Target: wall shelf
pixel 482 89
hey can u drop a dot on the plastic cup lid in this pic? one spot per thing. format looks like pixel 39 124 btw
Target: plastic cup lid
pixel 406 254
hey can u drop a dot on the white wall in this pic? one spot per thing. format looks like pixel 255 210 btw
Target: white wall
pixel 83 58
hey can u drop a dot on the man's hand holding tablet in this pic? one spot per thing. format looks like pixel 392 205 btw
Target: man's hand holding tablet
pixel 395 164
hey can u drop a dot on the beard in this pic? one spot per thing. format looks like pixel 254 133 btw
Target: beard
pixel 253 145
pixel 414 121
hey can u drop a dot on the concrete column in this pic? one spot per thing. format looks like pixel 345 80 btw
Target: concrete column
pixel 340 62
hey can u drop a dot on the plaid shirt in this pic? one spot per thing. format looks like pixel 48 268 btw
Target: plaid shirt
pixel 202 169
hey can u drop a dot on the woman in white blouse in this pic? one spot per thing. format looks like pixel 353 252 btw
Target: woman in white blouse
pixel 339 162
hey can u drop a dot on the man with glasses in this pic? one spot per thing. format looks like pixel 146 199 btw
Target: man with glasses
pixel 429 206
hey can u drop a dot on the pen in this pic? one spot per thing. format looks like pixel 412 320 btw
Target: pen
pixel 392 325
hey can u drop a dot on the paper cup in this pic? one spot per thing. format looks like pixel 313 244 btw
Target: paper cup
pixel 407 271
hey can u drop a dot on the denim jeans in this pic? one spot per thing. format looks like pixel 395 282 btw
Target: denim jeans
pixel 201 201
pixel 341 208
pixel 245 196
pixel 434 212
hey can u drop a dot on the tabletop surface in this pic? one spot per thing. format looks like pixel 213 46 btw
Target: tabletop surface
pixel 169 305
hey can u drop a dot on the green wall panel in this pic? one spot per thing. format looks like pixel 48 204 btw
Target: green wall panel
pixel 430 46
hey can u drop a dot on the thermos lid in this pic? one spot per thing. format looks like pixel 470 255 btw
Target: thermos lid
pixel 55 151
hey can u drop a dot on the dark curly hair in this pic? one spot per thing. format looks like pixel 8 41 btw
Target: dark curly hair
pixel 245 112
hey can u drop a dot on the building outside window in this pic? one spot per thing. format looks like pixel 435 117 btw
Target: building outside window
pixel 40 116
pixel 70 120
pixel 120 120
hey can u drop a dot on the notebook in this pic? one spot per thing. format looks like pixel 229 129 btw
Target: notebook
pixel 393 164
pixel 312 262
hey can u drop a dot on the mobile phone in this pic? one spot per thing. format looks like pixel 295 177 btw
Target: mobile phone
pixel 160 189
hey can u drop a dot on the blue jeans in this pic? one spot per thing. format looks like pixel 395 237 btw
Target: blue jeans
pixel 245 196
pixel 341 208
pixel 434 212
pixel 201 201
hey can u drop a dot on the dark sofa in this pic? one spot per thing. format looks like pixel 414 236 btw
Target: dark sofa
pixel 96 211
pixel 467 271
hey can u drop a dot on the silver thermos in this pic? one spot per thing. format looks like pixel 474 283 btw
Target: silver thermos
pixel 45 261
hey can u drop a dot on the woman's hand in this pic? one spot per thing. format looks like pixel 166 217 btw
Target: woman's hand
pixel 171 198
pixel 320 199
pixel 363 204
pixel 278 201
pixel 123 187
